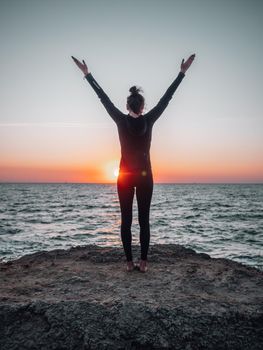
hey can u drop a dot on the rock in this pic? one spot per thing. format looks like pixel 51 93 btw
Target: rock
pixel 83 298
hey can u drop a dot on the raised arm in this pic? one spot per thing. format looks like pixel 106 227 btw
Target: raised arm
pixel 157 111
pixel 114 112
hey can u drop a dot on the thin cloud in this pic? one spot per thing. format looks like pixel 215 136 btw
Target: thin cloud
pixel 57 125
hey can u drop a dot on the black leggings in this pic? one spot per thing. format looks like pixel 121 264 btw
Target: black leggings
pixel 144 187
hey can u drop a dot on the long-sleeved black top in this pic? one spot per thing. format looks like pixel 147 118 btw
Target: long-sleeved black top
pixel 135 134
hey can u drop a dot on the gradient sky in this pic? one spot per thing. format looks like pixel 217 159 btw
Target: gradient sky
pixel 53 127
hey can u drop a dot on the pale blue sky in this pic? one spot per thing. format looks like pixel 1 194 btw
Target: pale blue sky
pixel 49 112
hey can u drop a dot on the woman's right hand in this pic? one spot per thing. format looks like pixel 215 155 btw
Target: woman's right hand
pixel 187 64
pixel 82 66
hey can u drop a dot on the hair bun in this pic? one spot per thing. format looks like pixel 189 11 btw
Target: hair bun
pixel 134 90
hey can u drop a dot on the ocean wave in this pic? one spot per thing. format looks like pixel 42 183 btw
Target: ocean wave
pixel 220 220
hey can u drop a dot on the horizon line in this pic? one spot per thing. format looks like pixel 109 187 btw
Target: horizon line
pixel 113 183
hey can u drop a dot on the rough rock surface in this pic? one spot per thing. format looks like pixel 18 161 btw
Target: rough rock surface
pixel 83 298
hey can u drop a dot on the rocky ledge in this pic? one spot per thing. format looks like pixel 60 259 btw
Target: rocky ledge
pixel 83 298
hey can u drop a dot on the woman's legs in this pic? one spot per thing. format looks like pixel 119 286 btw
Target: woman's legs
pixel 144 190
pixel 126 194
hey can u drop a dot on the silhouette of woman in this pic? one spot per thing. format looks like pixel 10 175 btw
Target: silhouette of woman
pixel 135 132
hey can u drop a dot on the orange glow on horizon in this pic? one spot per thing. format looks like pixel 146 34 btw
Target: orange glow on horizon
pixel 49 174
pixel 109 174
pixel 104 171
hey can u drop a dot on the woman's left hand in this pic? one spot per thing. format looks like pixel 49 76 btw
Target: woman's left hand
pixel 82 66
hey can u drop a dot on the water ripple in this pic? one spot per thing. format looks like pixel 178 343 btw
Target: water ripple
pixel 221 220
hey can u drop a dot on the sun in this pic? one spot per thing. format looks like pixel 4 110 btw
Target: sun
pixel 116 172
pixel 112 170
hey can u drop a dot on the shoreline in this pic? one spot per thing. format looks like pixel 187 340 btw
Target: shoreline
pixel 5 260
pixel 185 298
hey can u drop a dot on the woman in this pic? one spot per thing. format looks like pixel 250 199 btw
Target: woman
pixel 135 131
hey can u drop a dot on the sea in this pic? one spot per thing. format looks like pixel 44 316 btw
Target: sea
pixel 222 220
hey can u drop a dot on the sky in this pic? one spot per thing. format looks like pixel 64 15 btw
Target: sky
pixel 53 127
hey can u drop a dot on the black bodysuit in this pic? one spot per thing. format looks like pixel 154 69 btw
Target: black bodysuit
pixel 135 136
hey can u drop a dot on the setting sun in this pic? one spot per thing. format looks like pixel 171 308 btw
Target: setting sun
pixel 112 170
pixel 116 172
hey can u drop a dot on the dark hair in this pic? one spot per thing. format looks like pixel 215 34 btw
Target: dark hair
pixel 135 100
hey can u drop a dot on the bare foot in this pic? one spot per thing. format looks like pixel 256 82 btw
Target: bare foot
pixel 130 266
pixel 143 267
